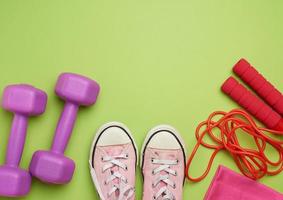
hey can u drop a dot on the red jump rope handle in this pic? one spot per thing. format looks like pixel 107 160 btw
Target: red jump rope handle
pixel 252 104
pixel 260 85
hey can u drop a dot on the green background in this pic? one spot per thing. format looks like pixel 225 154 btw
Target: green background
pixel 157 61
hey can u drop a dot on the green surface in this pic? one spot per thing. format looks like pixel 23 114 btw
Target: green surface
pixel 158 61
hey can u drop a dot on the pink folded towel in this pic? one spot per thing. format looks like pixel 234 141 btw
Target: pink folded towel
pixel 229 185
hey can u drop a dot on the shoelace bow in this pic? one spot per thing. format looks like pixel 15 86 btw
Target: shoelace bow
pixel 122 187
pixel 165 166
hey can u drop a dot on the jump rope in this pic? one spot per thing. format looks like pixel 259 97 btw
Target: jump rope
pixel 223 128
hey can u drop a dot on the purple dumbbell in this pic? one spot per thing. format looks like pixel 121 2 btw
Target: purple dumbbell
pixel 24 101
pixel 52 166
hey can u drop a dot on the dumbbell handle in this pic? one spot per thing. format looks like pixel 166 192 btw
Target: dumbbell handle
pixel 16 140
pixel 252 104
pixel 65 127
pixel 260 85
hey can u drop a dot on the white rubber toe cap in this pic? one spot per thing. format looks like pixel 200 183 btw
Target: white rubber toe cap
pixel 164 140
pixel 113 135
pixel 164 137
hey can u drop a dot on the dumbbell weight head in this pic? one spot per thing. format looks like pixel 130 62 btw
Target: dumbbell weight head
pixel 77 89
pixel 24 101
pixel 14 181
pixel 52 166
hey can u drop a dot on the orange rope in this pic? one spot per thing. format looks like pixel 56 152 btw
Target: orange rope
pixel 253 163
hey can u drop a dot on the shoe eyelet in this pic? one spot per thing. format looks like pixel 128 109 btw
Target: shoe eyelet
pixel 152 185
pixel 154 197
pixel 127 155
pixel 105 183
pixel 102 159
pixel 175 173
pixel 126 168
pixel 174 186
pixel 177 160
pixel 152 160
pixel 152 172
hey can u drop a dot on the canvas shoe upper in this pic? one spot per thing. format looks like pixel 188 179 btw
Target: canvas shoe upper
pixel 113 160
pixel 163 164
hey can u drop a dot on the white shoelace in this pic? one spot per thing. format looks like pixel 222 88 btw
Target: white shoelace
pixel 125 190
pixel 165 165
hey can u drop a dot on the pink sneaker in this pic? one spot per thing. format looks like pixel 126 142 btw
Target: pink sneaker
pixel 113 160
pixel 163 164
